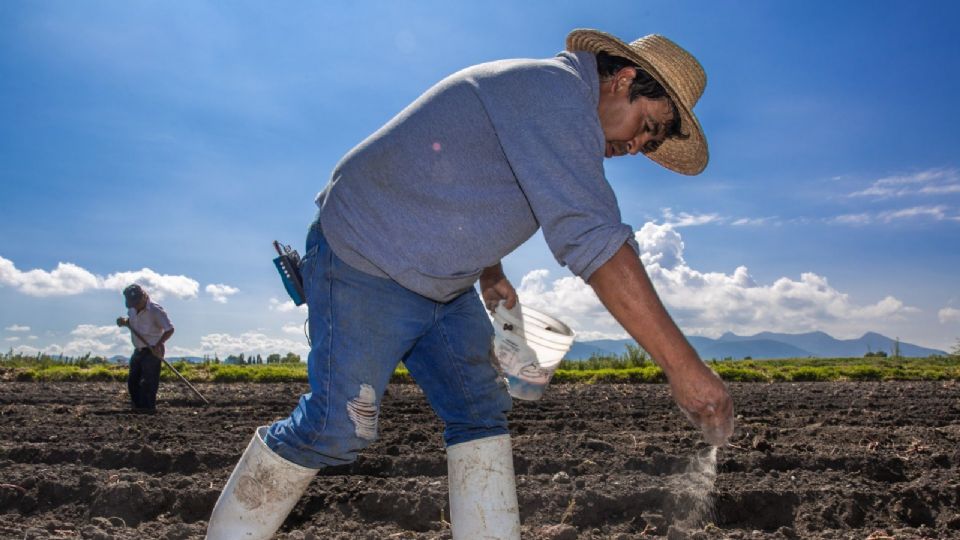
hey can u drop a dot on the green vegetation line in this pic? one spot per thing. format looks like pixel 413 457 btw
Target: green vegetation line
pixel 632 367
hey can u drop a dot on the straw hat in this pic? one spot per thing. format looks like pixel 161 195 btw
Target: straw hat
pixel 679 73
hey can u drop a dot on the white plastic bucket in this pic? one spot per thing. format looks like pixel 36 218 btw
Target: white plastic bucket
pixel 529 345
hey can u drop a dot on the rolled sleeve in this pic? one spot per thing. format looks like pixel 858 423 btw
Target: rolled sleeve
pixel 557 157
pixel 161 320
pixel 616 241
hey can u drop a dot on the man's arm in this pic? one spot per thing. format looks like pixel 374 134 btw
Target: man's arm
pixel 625 289
pixel 494 286
pixel 158 349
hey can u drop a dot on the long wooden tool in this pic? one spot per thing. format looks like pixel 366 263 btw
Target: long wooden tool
pixel 169 365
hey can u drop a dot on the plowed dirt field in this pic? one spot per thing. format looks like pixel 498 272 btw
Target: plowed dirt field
pixel 810 460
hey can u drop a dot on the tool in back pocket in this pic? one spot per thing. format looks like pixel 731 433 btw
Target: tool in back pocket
pixel 288 264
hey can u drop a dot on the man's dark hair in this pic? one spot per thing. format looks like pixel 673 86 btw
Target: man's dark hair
pixel 643 85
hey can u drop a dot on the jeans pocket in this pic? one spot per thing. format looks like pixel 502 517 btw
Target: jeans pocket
pixel 308 266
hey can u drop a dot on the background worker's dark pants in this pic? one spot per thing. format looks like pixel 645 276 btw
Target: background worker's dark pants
pixel 144 379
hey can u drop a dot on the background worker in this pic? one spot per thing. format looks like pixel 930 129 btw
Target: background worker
pixel 152 324
pixel 428 205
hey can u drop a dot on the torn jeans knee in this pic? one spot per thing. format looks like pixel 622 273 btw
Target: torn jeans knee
pixel 364 413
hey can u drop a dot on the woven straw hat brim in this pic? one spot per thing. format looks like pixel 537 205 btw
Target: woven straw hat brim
pixel 680 75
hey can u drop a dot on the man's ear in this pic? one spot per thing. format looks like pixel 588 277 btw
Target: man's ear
pixel 624 78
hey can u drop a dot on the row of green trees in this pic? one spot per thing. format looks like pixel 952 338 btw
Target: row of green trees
pixel 289 358
pixel 13 359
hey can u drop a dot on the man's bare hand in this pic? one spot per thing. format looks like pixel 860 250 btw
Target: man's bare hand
pixel 494 287
pixel 625 289
pixel 158 350
pixel 122 321
pixel 703 397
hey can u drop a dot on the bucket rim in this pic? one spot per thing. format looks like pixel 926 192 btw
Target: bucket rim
pixel 543 319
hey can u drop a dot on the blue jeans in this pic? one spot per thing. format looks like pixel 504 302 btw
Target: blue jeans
pixel 361 327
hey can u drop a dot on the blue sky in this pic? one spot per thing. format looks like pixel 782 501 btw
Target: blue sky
pixel 170 142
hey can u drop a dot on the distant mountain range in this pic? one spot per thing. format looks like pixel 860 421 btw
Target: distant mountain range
pixel 767 345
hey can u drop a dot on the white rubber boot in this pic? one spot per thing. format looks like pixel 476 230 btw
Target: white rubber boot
pixel 261 491
pixel 483 490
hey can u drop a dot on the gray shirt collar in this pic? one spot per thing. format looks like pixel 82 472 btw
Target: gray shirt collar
pixel 585 63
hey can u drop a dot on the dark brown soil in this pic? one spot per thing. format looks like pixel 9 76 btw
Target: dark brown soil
pixel 811 460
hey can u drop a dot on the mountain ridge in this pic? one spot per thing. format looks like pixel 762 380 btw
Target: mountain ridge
pixel 768 345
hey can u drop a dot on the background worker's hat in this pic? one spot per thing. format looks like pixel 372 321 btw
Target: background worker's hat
pixel 680 75
pixel 133 294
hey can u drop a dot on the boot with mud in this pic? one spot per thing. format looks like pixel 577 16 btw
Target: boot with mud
pixel 483 492
pixel 261 491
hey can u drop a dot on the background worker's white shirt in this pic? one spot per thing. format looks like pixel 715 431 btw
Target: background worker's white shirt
pixel 150 323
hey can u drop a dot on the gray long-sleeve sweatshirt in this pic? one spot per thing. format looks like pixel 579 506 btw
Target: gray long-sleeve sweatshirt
pixel 470 170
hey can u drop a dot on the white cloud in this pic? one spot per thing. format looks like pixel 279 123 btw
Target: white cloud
pixel 112 340
pixel 156 285
pixel 69 279
pixel 948 315
pixel 28 350
pixel 249 343
pixel 85 338
pixel 851 219
pixel 286 306
pixel 686 219
pixel 93 339
pixel 753 221
pixel 65 279
pixel 293 329
pixel 940 190
pixel 95 332
pixel 938 213
pixel 710 303
pixel 929 182
pixel 221 292
pixel 935 213
pixel 17 328
pixel 13 338
pixel 683 219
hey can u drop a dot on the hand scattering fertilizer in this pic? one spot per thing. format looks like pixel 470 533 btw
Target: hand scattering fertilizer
pixel 529 345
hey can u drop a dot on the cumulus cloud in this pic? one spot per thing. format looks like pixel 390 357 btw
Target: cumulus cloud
pixel 93 339
pixel 221 292
pixel 112 340
pixel 285 306
pixel 293 329
pixel 710 303
pixel 948 315
pixel 29 351
pixel 13 338
pixel 157 285
pixel 69 279
pixel 929 182
pixel 249 343
pixel 65 279
pixel 17 328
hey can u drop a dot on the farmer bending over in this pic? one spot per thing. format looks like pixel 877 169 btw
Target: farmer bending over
pixel 151 329
pixel 428 205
